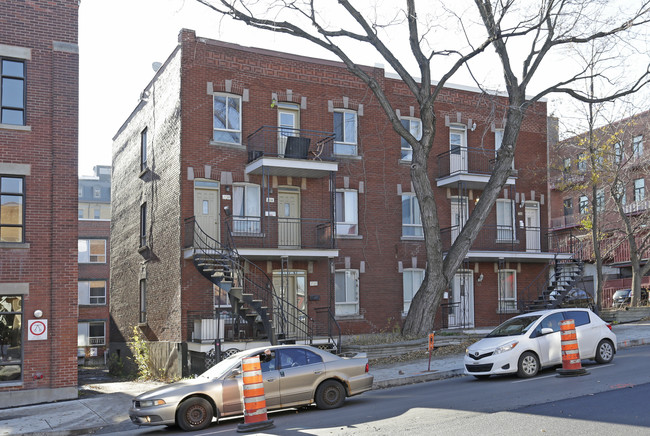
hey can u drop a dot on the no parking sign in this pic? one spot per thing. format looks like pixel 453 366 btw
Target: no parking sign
pixel 36 329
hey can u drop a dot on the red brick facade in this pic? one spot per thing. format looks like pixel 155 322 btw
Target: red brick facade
pixel 40 267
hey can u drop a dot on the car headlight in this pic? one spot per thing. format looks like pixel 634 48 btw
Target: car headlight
pixel 505 347
pixel 151 403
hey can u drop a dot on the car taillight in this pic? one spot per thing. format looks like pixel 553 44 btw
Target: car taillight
pixel 609 326
pixel 367 367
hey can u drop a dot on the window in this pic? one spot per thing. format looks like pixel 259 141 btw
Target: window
pixel 346 289
pixel 618 152
pixel 81 191
pixel 97 192
pixel 583 205
pixel 345 132
pixel 411 219
pixel 246 209
pixel 11 336
pixel 457 138
pixel 550 322
pixel 12 92
pixel 582 162
pixel 293 357
pixel 414 126
pixel 566 164
pixel 143 302
pixel 600 200
pixel 579 317
pixel 411 279
pixel 346 213
pixel 91 334
pixel 92 251
pixel 498 140
pixel 96 214
pixel 92 292
pixel 568 206
pixel 637 146
pixel 143 150
pixel 80 213
pixel 619 193
pixel 143 225
pixel 639 189
pixel 505 220
pixel 226 122
pixel 12 209
pixel 507 290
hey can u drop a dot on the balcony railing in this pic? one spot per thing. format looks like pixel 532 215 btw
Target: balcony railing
pixel 637 206
pixel 467 160
pixel 570 220
pixel 277 232
pixel 500 238
pixel 290 143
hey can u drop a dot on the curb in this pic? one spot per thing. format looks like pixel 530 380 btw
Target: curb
pixel 402 381
pixel 632 343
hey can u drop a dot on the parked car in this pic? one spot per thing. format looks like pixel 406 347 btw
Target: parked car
pixel 623 297
pixel 577 297
pixel 529 342
pixel 294 375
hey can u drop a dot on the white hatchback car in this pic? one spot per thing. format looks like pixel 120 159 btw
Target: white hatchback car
pixel 529 342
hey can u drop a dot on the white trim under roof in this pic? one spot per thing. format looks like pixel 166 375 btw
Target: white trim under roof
pixel 277 252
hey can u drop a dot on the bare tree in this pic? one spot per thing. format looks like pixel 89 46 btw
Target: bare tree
pixel 546 29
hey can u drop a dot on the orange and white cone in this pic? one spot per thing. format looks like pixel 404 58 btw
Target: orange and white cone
pixel 255 417
pixel 571 364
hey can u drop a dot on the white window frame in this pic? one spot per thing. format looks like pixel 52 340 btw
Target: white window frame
pixel 414 126
pixel 349 306
pixel 600 200
pixel 566 164
pixel 582 162
pixel 637 146
pixel 507 298
pixel 618 152
pixel 83 334
pixel 411 280
pixel 97 191
pixel 505 221
pixel 498 141
pixel 248 197
pixel 84 253
pixel 639 190
pixel 413 222
pixel 347 145
pixel 227 134
pixel 620 193
pixel 85 297
pixel 348 211
pixel 583 205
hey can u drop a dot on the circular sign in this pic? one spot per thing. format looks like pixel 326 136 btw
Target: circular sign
pixel 37 328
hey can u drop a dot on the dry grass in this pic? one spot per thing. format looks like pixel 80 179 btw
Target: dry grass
pixel 446 350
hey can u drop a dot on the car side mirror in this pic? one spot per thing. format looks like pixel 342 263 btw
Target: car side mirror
pixel 546 331
pixel 235 372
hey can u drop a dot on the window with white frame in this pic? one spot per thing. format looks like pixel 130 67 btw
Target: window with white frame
pixel 600 200
pixel 583 205
pixel 345 132
pixel 507 290
pixel 97 191
pixel 582 162
pixel 411 219
pixel 96 214
pixel 637 146
pixel 246 208
pixel 414 126
pixel 91 250
pixel 411 279
pixel 346 290
pixel 92 292
pixel 618 152
pixel 505 220
pixel 80 213
pixel 347 216
pixel 12 209
pixel 619 193
pixel 91 333
pixel 498 140
pixel 639 190
pixel 566 164
pixel 568 206
pixel 12 92
pixel 226 117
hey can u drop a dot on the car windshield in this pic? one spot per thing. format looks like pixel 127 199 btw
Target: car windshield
pixel 622 293
pixel 514 326
pixel 225 365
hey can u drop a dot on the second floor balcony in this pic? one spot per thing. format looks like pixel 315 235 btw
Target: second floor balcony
pixel 282 151
pixel 470 166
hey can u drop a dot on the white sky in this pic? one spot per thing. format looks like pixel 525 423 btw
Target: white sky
pixel 120 39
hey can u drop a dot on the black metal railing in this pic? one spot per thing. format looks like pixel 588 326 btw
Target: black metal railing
pixel 467 160
pixel 499 238
pixel 290 143
pixel 270 231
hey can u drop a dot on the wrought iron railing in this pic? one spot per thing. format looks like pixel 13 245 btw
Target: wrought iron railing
pixel 467 160
pixel 499 238
pixel 274 232
pixel 288 143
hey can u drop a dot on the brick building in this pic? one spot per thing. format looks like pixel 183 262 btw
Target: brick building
pixel 272 186
pixel 94 269
pixel 38 226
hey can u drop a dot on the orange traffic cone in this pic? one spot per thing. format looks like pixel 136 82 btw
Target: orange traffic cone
pixel 571 364
pixel 255 417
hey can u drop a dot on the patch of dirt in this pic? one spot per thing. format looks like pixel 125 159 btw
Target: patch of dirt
pixel 447 350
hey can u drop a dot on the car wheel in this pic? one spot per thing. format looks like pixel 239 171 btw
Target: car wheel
pixel 604 352
pixel 482 377
pixel 194 414
pixel 330 395
pixel 528 365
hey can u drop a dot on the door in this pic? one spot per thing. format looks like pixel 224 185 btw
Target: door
pixel 550 350
pixel 459 215
pixel 206 207
pixel 288 124
pixel 457 149
pixel 299 371
pixel 532 227
pixel 290 288
pixel 289 228
pixel 461 313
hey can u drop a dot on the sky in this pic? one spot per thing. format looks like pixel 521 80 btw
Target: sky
pixel 119 40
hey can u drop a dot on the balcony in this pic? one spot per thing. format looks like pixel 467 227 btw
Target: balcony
pixel 565 221
pixel 637 207
pixel 561 180
pixel 471 166
pixel 281 151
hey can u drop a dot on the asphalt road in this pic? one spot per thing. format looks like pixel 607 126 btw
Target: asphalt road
pixel 611 399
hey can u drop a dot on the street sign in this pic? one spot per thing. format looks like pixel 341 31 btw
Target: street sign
pixel 431 337
pixel 36 329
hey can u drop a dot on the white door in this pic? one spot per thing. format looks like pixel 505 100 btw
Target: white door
pixel 457 149
pixel 289 228
pixel 206 209
pixel 532 227
pixel 461 311
pixel 459 215
pixel 288 124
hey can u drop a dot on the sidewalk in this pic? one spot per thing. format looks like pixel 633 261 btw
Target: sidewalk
pixel 102 405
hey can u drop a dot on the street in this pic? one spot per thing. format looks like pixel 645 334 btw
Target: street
pixel 611 399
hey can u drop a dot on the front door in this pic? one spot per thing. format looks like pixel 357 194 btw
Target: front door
pixel 288 124
pixel 206 207
pixel 289 228
pixel 461 310
pixel 532 227
pixel 459 215
pixel 290 288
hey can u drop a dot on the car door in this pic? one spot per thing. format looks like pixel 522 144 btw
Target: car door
pixel 587 332
pixel 299 371
pixel 550 351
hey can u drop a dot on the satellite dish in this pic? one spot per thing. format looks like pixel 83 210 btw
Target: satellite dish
pixel 156 66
